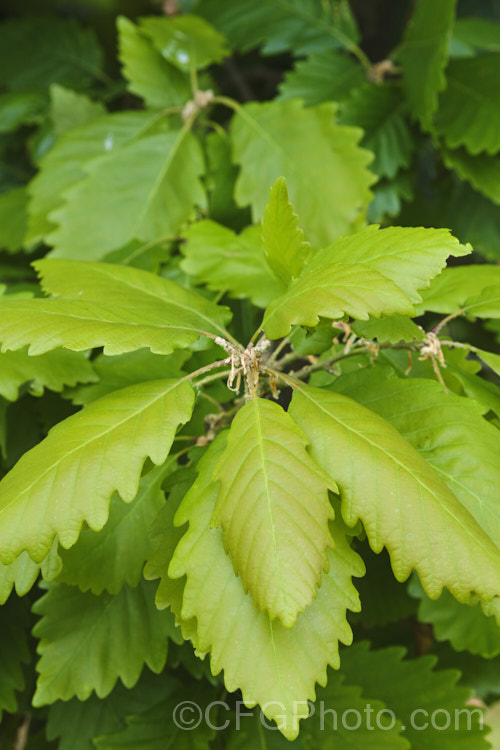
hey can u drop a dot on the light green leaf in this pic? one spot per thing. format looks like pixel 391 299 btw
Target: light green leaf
pixel 149 75
pixel 316 156
pixel 118 372
pixel 62 167
pixel 469 113
pixel 474 386
pixel 166 536
pixel 489 358
pixel 322 77
pixel 129 425
pixel 484 305
pixel 14 652
pixel 492 718
pixel 410 256
pixel 13 219
pixel 378 110
pixel 22 572
pixel 69 110
pixel 156 729
pixel 402 501
pixel 300 26
pixel 450 432
pixel 159 186
pixel 141 309
pixel 224 260
pixel 52 370
pixel 465 626
pixel 284 245
pixel 273 508
pixel 186 41
pixel 423 56
pixel 482 171
pixel 406 685
pixel 450 291
pixel 214 595
pixel 76 723
pixel 394 256
pixel 333 290
pixel 394 329
pixel 39 50
pixel 108 559
pixel 76 629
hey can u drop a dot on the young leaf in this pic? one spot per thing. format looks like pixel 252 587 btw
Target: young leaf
pixel 140 309
pixel 128 425
pixel 108 559
pixel 149 75
pixel 22 572
pixel 469 110
pixel 450 291
pixel 333 290
pixel 166 537
pixel 273 508
pixel 215 597
pixel 284 245
pixel 314 154
pixel 484 305
pixel 410 256
pixel 62 166
pixel 378 110
pixel 14 652
pixel 75 629
pixel 222 259
pixel 186 41
pixel 159 179
pixel 450 433
pixel 464 625
pixel 401 500
pixel 322 77
pixel 406 684
pixel 423 56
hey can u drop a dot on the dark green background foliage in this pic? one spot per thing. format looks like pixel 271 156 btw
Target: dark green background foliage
pixel 249 445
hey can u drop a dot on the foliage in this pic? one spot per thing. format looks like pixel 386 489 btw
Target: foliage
pixel 249 400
